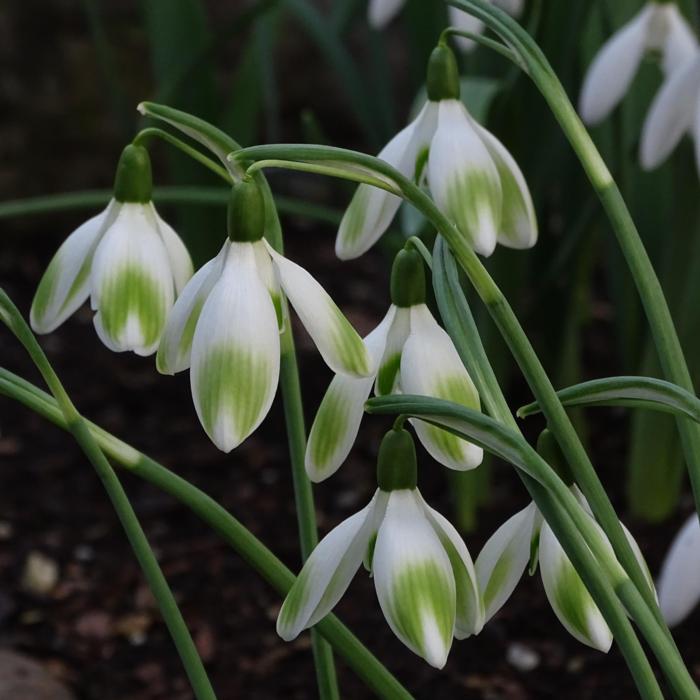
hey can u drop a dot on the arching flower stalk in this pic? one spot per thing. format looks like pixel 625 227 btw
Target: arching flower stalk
pixel 423 574
pixel 225 326
pixel 127 260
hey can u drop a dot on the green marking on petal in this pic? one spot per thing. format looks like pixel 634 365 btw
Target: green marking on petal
pixel 572 598
pixel 348 346
pixel 369 554
pixel 355 218
pixel 471 196
pixel 329 427
pixel 458 389
pixel 498 578
pixel 386 378
pixel 79 281
pixel 296 599
pixel 185 344
pixel 450 445
pixel 46 288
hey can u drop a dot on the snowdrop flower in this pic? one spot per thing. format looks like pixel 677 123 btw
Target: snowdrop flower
pixel 423 574
pixel 526 538
pixel 126 259
pixel 412 355
pixel 659 26
pixel 674 112
pixel 679 583
pixel 225 326
pixel 471 176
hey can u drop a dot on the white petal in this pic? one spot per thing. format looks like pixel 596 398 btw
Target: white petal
pixel 671 114
pixel 430 366
pixel 679 582
pixel 268 276
pixel 372 210
pixel 381 12
pixel 336 340
pixel 614 67
pixel 180 260
pixel 463 178
pixel 131 282
pixel 680 44
pixel 518 221
pixel 327 573
pixel 502 561
pixel 414 580
pixel 176 342
pixel 466 23
pixel 568 596
pixel 235 352
pixel 338 418
pixel 470 606
pixel 65 285
pixel 388 374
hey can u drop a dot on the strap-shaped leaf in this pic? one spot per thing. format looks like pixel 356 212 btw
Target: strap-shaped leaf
pixel 637 392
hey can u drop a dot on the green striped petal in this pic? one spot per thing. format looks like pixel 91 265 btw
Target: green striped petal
pixel 235 352
pixel 463 178
pixel 414 580
pixel 132 282
pixel 390 364
pixel 180 260
pixel 431 366
pixel 337 341
pixel 65 285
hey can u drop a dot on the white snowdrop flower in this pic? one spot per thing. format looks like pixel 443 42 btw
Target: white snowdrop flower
pixel 473 179
pixel 679 582
pixel 412 354
pixel 658 26
pixel 526 537
pixel 423 574
pixel 127 260
pixel 224 326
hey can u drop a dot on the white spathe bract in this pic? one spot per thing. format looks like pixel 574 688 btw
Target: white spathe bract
pixel 423 575
pixel 657 27
pixel 679 582
pixel 412 354
pixel 475 182
pixel 130 263
pixel 225 328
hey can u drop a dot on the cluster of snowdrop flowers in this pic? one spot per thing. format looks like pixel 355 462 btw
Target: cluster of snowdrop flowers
pixel 381 12
pixel 412 354
pixel 127 260
pixel 423 574
pixel 657 27
pixel 472 177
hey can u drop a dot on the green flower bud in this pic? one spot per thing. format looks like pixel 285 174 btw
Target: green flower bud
pixel 246 212
pixel 442 82
pixel 407 279
pixel 133 181
pixel 396 462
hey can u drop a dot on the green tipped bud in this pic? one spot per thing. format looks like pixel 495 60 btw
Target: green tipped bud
pixel 407 279
pixel 548 448
pixel 246 212
pixel 396 462
pixel 442 82
pixel 133 181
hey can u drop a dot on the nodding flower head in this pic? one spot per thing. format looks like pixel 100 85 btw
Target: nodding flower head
pixel 127 260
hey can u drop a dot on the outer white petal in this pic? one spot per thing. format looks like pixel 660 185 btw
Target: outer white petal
pixel 430 366
pixel 65 285
pixel 327 573
pixel 176 342
pixel 467 23
pixel 180 260
pixel 269 278
pixel 388 374
pixel 381 12
pixel 614 67
pixel 568 596
pixel 372 210
pixel 504 558
pixel 414 580
pixel 679 582
pixel 470 606
pixel 131 282
pixel 336 340
pixel 671 114
pixel 463 178
pixel 512 7
pixel 235 352
pixel 680 44
pixel 518 221
pixel 338 418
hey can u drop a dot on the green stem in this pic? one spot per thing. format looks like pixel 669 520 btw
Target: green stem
pixel 139 543
pixel 249 547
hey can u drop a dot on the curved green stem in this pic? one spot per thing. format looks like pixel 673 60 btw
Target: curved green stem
pixel 249 547
pixel 483 41
pixel 75 423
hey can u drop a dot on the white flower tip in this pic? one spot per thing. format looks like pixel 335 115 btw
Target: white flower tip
pixel 141 108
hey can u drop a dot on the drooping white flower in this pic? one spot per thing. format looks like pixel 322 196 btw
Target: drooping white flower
pixel 423 574
pixel 524 538
pixel 473 179
pixel 127 260
pixel 679 582
pixel 224 326
pixel 658 26
pixel 411 354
